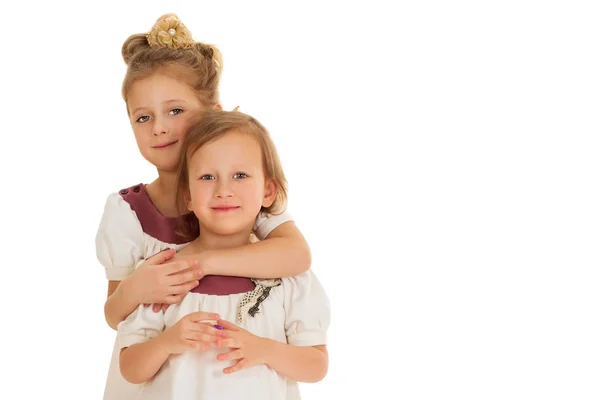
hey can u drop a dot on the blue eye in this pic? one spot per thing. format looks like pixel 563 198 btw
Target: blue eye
pixel 207 177
pixel 142 119
pixel 240 175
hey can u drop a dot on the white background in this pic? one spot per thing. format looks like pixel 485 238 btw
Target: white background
pixel 443 161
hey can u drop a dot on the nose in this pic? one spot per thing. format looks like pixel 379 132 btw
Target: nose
pixel 160 127
pixel 223 190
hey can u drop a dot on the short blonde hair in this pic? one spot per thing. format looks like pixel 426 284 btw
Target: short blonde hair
pixel 211 125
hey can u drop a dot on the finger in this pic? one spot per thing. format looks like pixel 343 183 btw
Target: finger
pixel 183 288
pixel 160 307
pixel 232 355
pixel 228 343
pixel 237 367
pixel 184 276
pixel 200 316
pixel 180 265
pixel 228 325
pixel 206 328
pixel 174 299
pixel 201 337
pixel 161 257
pixel 197 345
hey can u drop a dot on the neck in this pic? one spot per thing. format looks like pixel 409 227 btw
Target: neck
pixel 163 192
pixel 213 241
pixel 166 182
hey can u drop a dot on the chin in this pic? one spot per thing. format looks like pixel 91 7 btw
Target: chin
pixel 167 167
pixel 224 229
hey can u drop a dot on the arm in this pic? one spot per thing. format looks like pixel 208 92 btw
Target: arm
pixel 120 248
pixel 302 364
pixel 283 253
pixel 140 362
pixel 145 347
pixel 118 303
pixel 155 281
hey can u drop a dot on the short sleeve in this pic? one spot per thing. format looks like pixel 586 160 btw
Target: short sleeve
pixel 265 223
pixel 140 326
pixel 307 310
pixel 120 239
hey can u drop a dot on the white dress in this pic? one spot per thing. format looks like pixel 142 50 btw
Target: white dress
pixel 295 312
pixel 131 230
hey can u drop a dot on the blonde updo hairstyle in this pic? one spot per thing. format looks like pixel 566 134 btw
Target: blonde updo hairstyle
pixel 169 49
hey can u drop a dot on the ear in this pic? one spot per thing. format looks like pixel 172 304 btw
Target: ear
pixel 219 107
pixel 270 193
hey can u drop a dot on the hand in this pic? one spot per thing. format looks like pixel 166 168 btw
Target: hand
pixel 162 280
pixel 156 307
pixel 190 332
pixel 247 349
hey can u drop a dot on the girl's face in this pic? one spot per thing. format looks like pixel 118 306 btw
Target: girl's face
pixel 227 186
pixel 159 110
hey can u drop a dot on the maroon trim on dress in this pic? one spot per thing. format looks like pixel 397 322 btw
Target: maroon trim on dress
pixel 153 222
pixel 223 285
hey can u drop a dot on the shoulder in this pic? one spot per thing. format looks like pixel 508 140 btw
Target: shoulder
pixel 265 223
pixel 119 239
pixel 306 283
pixel 133 195
pixel 122 203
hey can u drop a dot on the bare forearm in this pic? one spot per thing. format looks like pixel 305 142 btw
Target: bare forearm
pixel 140 362
pixel 302 364
pixel 118 306
pixel 272 258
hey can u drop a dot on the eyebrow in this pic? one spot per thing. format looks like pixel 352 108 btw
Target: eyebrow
pixel 166 102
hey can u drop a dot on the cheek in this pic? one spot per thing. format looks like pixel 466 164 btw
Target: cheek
pixel 180 127
pixel 140 132
pixel 201 194
pixel 252 191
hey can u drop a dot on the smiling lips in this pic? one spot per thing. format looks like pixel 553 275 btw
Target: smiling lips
pixel 225 208
pixel 165 145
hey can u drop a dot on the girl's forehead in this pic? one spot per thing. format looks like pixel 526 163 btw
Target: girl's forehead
pixel 233 145
pixel 163 83
pixel 160 88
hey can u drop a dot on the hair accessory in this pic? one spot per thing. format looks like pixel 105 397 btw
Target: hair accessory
pixel 169 31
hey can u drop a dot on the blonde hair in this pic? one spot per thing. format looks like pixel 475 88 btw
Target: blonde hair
pixel 169 48
pixel 211 125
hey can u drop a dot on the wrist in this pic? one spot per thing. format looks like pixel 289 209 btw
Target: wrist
pixel 269 347
pixel 206 262
pixel 163 344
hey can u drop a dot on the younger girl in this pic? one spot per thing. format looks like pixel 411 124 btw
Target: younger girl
pixel 169 77
pixel 229 173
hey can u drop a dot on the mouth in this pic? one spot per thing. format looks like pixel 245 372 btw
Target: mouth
pixel 225 208
pixel 165 145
